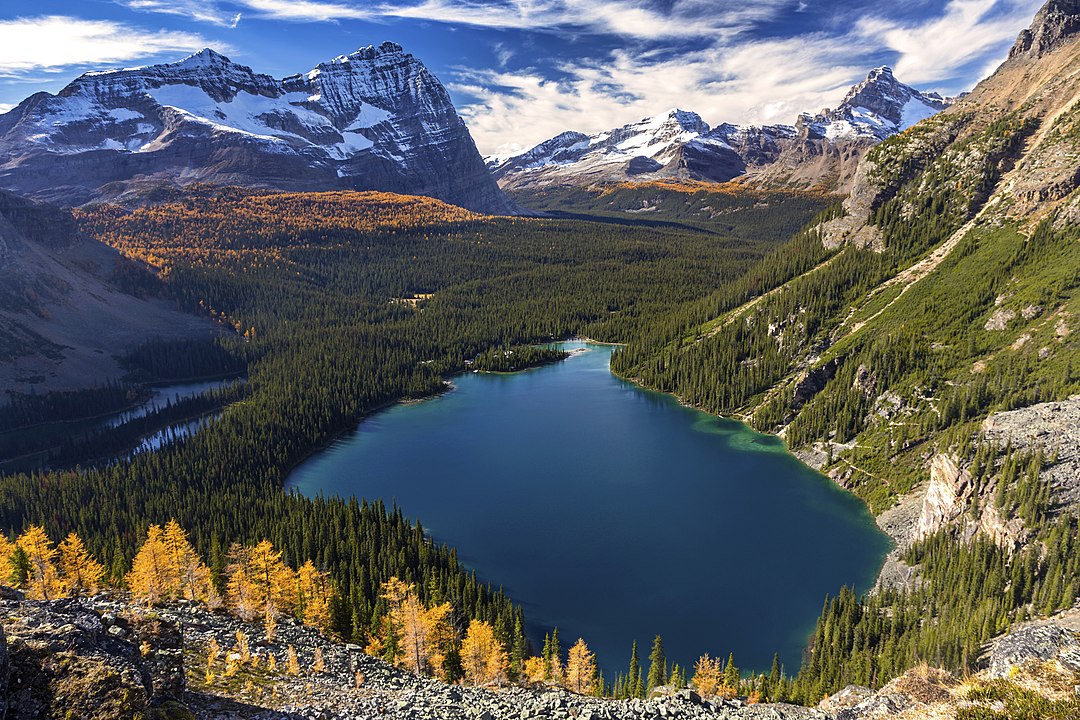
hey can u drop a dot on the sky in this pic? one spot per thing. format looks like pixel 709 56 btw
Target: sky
pixel 522 71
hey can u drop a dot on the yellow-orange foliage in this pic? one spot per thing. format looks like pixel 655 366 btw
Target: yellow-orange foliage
pixel 7 551
pixel 82 573
pixel 189 577
pixel 535 669
pixel 424 635
pixel 482 655
pixel 580 668
pixel 313 593
pixel 44 581
pixel 252 227
pixel 149 578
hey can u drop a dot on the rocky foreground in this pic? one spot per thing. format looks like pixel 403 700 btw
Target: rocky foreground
pixel 104 658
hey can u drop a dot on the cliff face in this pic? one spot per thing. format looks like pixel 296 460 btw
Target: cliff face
pixel 373 120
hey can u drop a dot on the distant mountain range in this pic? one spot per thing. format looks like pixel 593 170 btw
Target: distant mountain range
pixel 819 149
pixel 373 120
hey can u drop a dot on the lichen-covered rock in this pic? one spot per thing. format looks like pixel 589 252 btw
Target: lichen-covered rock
pixel 65 662
pixel 1041 641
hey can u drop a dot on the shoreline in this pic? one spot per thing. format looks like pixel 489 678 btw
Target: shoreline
pixel 898 536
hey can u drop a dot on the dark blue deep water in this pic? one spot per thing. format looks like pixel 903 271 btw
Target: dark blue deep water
pixel 615 513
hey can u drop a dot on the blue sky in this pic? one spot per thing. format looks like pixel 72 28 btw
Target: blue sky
pixel 521 71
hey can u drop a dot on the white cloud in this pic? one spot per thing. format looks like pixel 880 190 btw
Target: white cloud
pixel 5 107
pixel 759 82
pixel 194 9
pixel 969 31
pixel 51 43
pixel 740 80
pixel 628 18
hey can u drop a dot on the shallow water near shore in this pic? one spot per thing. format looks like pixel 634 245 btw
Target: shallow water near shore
pixel 615 513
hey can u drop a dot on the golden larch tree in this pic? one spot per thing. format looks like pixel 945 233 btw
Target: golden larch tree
pixel 43 581
pixel 189 575
pixel 7 552
pixel 274 582
pixel 440 637
pixel 708 675
pixel 150 578
pixel 82 573
pixel 536 669
pixel 242 594
pixel 482 655
pixel 580 668
pixel 313 593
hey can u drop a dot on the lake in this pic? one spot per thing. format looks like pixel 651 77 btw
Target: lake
pixel 615 513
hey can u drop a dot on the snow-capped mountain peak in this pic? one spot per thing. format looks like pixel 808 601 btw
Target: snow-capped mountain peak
pixel 375 118
pixel 643 146
pixel 679 143
pixel 875 108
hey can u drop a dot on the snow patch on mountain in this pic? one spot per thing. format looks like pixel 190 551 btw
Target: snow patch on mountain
pixel 679 143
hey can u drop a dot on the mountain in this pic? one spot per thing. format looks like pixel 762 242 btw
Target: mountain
pixel 920 348
pixel 373 120
pixel 820 149
pixel 68 303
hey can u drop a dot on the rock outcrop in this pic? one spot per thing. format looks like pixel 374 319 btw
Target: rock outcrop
pixel 1057 22
pixel 373 120
pixel 1051 640
pixel 947 496
pixel 1054 428
pixel 66 660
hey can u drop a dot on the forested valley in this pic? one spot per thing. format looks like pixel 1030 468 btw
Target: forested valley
pixel 335 305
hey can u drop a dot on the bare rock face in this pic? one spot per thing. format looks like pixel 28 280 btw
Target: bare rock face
pixel 948 494
pixel 373 120
pixel 1056 23
pixel 1051 640
pixel 66 660
pixel 1054 428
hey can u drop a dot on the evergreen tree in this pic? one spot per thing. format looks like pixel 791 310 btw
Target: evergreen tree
pixel 658 669
pixel 634 686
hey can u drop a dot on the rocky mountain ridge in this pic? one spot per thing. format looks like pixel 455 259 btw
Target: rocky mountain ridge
pixel 376 119
pixel 679 144
pixel 107 658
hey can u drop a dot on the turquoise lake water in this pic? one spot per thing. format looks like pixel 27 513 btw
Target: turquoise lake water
pixel 614 513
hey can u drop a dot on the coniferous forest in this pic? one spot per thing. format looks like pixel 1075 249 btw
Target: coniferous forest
pixel 335 305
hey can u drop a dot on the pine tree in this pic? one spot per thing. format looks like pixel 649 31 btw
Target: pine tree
pixel 82 573
pixel 658 670
pixel 731 674
pixel 519 648
pixel 677 679
pixel 554 659
pixel 634 686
